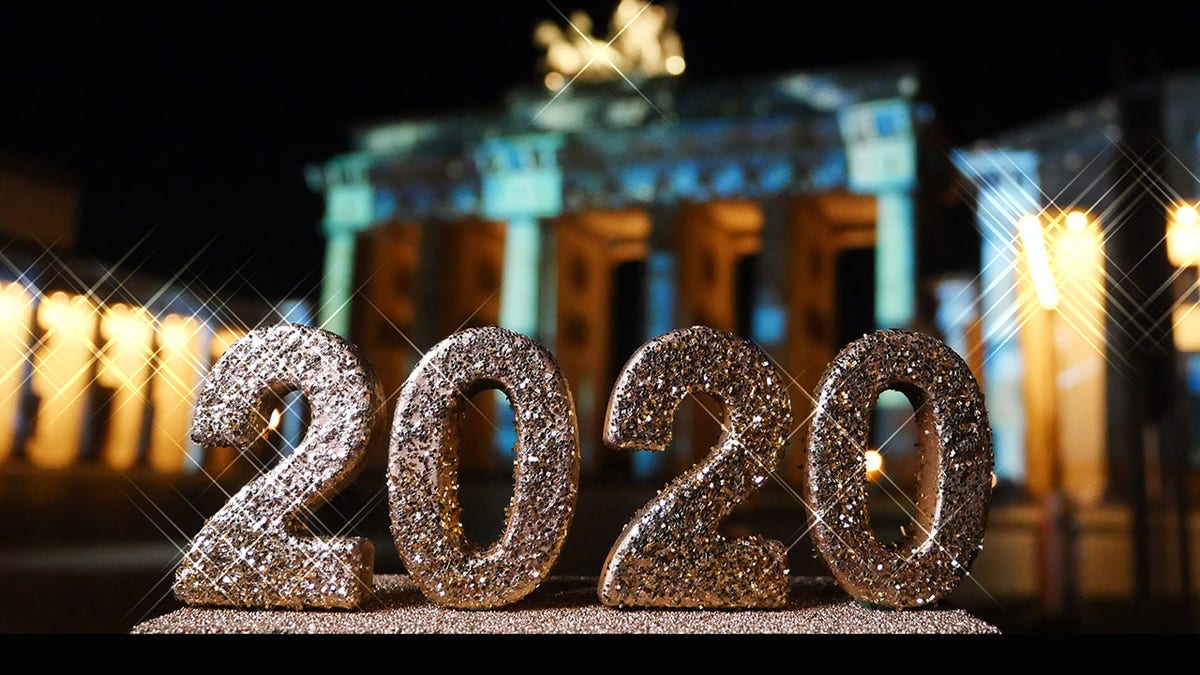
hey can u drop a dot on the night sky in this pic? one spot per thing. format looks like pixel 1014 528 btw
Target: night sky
pixel 191 127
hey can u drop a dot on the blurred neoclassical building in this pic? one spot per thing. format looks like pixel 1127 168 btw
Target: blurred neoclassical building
pixel 603 209
pixel 598 217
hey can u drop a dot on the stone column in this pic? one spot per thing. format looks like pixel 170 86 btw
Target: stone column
pixel 349 209
pixel 591 245
pixel 712 239
pixel 1007 188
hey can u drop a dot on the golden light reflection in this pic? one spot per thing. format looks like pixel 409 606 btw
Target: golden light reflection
pixel 1183 236
pixel 641 41
pixel 181 365
pixel 1078 254
pixel 1066 353
pixel 109 377
pixel 1076 221
pixel 554 81
pixel 675 65
pixel 128 334
pixel 273 422
pixel 61 376
pixel 873 461
pixel 1183 250
pixel 16 326
pixel 1033 240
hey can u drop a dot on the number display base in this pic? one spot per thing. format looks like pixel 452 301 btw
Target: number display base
pixel 570 605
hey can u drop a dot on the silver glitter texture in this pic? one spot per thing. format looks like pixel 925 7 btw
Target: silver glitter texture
pixel 423 465
pixel 670 554
pixel 565 605
pixel 257 550
pixel 954 479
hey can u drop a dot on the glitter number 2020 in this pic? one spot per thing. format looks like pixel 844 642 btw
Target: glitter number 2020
pixel 954 479
pixel 256 551
pixel 670 554
pixel 423 461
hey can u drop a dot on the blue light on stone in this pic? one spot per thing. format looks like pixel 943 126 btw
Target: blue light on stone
pixel 768 323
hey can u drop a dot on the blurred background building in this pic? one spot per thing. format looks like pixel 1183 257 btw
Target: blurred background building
pixel 802 211
pixel 100 366
pixel 616 201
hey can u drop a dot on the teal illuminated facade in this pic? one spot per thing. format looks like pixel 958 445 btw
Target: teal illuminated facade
pixel 669 144
pixel 607 146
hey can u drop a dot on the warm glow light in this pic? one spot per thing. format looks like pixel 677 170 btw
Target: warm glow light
pixel 1034 242
pixel 62 374
pixel 642 41
pixel 1187 215
pixel 16 317
pixel 124 367
pixel 1076 221
pixel 1078 260
pixel 15 301
pixel 222 340
pixel 873 461
pixel 273 423
pixel 1183 236
pixel 180 369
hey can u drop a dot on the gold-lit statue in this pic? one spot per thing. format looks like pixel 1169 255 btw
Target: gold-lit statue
pixel 641 42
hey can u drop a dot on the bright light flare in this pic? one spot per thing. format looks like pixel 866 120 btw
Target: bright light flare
pixel 554 81
pixel 16 317
pixel 1077 221
pixel 1034 242
pixel 61 378
pixel 15 301
pixel 873 461
pixel 273 423
pixel 124 367
pixel 1183 236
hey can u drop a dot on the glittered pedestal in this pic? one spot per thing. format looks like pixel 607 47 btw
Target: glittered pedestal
pixel 570 605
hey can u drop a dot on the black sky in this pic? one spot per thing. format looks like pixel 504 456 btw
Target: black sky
pixel 191 125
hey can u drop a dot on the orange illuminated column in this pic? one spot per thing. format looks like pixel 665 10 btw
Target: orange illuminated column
pixel 1183 250
pixel 385 317
pixel 715 241
pixel 1062 302
pixel 62 376
pixel 594 250
pixel 125 366
pixel 219 459
pixel 821 227
pixel 1037 298
pixel 468 295
pixel 16 329
pixel 181 365
pixel 1081 356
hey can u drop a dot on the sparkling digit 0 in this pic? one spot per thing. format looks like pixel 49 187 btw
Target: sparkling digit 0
pixel 670 554
pixel 954 478
pixel 423 464
pixel 256 551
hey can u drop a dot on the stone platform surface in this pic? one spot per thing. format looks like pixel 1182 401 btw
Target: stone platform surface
pixel 569 605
